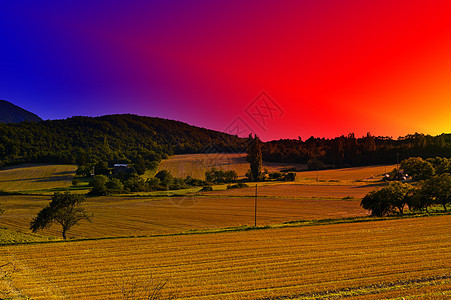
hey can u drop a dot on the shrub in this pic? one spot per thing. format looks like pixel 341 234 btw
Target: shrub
pixel 275 175
pixel 290 176
pixel 114 185
pixel 99 185
pixel 206 189
pixel 238 185
pixel 220 176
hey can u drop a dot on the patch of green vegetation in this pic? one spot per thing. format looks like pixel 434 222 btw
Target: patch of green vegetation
pixel 9 236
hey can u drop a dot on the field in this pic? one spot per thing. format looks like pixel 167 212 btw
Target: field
pixel 31 177
pixel 195 165
pixel 119 216
pixel 199 243
pixel 372 260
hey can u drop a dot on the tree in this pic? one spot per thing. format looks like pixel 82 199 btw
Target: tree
pixel 418 168
pixel 254 157
pixel 386 200
pixel 375 202
pixel 440 164
pixel 397 193
pixel 140 165
pixel 99 185
pixel 220 176
pixel 163 175
pixel 101 168
pixel 114 185
pixel 85 170
pixel 438 189
pixel 65 209
pixel 315 164
pixel 417 199
pixel 136 184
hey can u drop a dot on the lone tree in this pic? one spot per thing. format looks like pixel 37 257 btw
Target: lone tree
pixel 254 157
pixel 65 209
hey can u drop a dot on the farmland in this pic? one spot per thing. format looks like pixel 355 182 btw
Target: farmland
pixel 195 165
pixel 120 216
pixel 31 177
pixel 203 244
pixel 372 260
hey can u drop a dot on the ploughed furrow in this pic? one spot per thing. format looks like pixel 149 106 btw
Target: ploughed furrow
pixel 359 259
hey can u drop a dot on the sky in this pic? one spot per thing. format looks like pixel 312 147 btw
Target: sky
pixel 278 69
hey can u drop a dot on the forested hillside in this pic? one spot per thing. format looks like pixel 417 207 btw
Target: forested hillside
pixel 135 139
pixel 113 139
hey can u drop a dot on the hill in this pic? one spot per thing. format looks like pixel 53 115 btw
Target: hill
pixel 10 113
pixel 113 138
pixel 144 141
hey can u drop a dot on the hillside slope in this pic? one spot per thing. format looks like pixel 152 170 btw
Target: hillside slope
pixel 112 138
pixel 10 113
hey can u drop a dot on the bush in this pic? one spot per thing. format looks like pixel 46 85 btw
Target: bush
pixel 115 186
pixel 290 176
pixel 275 175
pixel 76 182
pixel 194 181
pixel 163 175
pixel 220 176
pixel 99 185
pixel 206 189
pixel 238 185
pixel 135 184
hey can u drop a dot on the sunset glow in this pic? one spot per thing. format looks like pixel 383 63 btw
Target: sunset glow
pixel 332 67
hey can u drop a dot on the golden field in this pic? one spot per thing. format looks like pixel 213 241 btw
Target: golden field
pixel 29 177
pixel 121 216
pixel 195 165
pixel 199 245
pixel 372 260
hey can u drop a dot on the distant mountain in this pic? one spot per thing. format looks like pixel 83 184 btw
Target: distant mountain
pixel 10 113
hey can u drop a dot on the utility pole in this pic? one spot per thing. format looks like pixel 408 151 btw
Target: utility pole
pixel 397 167
pixel 255 209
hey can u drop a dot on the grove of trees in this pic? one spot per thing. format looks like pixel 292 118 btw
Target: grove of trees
pixel 431 186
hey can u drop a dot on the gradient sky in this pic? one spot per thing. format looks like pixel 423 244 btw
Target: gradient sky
pixel 327 68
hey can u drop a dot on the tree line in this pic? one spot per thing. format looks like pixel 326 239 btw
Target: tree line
pixel 144 141
pixel 347 151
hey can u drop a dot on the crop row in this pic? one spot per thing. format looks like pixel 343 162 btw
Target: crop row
pixel 252 264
